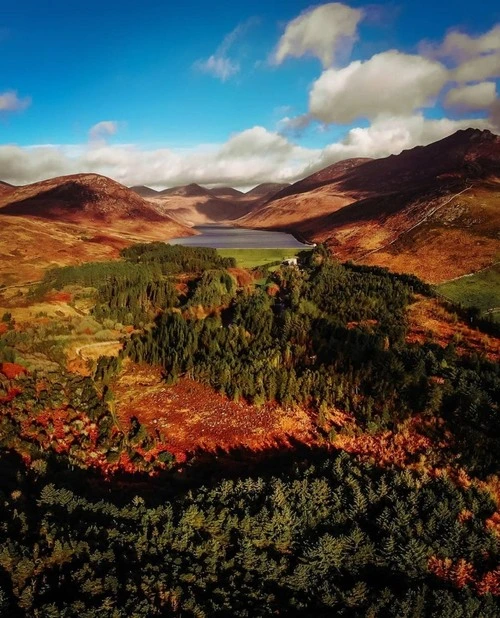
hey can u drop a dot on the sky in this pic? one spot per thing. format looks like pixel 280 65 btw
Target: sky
pixel 236 93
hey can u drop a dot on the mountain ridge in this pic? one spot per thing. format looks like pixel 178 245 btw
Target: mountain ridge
pixel 424 199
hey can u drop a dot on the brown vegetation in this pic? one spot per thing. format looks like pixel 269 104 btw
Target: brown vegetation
pixel 59 221
pixel 432 211
pixel 430 320
pixel 193 417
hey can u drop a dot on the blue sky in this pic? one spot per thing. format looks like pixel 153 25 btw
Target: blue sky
pixel 164 92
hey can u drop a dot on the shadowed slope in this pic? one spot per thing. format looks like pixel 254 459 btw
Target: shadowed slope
pixel 433 210
pixel 144 191
pixel 71 219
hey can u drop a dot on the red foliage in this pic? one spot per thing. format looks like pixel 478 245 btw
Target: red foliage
pixel 12 370
pixel 493 523
pixel 3 328
pixel 62 297
pixel 465 515
pixel 12 393
pixel 458 574
pixel 489 583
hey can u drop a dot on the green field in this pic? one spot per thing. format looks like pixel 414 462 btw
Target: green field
pixel 481 290
pixel 251 258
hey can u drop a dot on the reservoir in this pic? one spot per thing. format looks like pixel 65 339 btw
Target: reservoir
pixel 226 237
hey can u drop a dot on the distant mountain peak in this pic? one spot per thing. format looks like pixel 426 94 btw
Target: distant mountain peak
pixel 190 190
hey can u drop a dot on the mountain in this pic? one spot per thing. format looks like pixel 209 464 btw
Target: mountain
pixel 433 210
pixel 72 219
pixel 5 187
pixel 191 190
pixel 204 209
pixel 81 198
pixel 144 191
pixel 266 189
pixel 226 192
pixel 196 205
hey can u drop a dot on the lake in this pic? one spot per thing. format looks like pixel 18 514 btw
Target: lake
pixel 226 237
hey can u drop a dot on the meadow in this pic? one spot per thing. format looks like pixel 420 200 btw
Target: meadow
pixel 251 258
pixel 481 290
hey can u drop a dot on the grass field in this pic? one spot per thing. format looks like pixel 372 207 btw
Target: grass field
pixel 250 258
pixel 481 290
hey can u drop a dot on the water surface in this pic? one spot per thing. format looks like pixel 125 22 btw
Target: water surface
pixel 226 237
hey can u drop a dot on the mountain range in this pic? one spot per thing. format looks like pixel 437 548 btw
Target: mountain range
pixel 433 211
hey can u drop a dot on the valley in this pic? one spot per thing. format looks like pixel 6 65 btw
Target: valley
pixel 159 396
pixel 250 309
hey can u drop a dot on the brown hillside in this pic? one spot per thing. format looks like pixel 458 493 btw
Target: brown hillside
pixel 226 192
pixel 267 189
pixel 72 219
pixel 80 196
pixel 5 187
pixel 88 199
pixel 432 210
pixel 202 210
pixel 192 190
pixel 144 191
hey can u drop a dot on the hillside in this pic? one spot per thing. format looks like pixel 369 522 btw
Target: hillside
pixel 226 192
pixel 5 187
pixel 71 219
pixel 203 209
pixel 267 189
pixel 191 190
pixel 144 191
pixel 432 210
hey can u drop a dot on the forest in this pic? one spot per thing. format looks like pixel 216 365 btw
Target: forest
pixel 333 336
pixel 98 519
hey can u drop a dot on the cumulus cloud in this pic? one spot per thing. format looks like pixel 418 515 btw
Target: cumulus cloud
pixel 10 102
pixel 472 97
pixel 473 58
pixel 475 69
pixel 322 32
pixel 248 158
pixel 391 136
pixel 388 83
pixel 219 64
pixel 295 125
pixel 460 46
pixel 100 131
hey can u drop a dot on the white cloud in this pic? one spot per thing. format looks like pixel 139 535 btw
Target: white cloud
pixel 250 157
pixel 475 69
pixel 388 83
pixel 473 58
pixel 245 159
pixel 322 32
pixel 391 136
pixel 294 125
pixel 100 131
pixel 10 102
pixel 473 97
pixel 460 46
pixel 219 64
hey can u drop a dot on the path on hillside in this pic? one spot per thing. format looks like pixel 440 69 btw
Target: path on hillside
pixel 429 214
pixel 473 273
pixel 88 346
pixel 19 285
